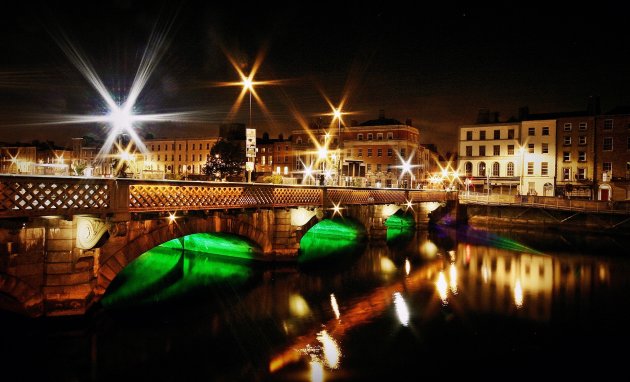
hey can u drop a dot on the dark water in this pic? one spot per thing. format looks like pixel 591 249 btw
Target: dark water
pixel 499 305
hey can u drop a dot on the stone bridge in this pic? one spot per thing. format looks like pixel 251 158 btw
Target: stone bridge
pixel 64 239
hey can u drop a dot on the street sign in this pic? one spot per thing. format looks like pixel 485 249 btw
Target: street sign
pixel 250 143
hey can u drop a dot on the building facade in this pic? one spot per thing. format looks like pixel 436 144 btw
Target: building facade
pixel 377 153
pixel 490 159
pixel 612 167
pixel 575 158
pixel 538 162
pixel 173 158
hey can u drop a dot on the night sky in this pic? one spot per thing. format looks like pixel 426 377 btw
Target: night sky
pixel 436 66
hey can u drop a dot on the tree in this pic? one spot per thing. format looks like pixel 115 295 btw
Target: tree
pixel 226 158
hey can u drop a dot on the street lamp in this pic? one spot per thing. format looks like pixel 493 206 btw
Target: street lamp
pixel 248 86
pixel 337 114
pixel 522 151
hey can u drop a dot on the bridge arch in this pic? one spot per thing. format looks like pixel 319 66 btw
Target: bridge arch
pixel 141 236
pixel 20 297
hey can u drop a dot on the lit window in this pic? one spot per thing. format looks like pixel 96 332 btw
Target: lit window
pixel 530 168
pixel 531 131
pixel 510 169
pixel 545 148
pixel 544 168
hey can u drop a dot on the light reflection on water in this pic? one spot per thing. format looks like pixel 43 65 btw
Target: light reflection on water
pixel 507 306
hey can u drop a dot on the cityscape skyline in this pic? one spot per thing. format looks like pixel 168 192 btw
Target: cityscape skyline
pixel 437 68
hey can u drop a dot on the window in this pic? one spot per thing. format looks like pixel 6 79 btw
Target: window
pixel 468 168
pixel 608 124
pixel 530 168
pixel 482 169
pixel 496 150
pixel 270 160
pixel 544 168
pixel 607 167
pixel 390 135
pixel 510 169
pixel 582 156
pixel 469 135
pixel 369 167
pixel 545 130
pixel 566 174
pixel 402 153
pixel 370 136
pixel 567 140
pixel 179 147
pixel 179 157
pixel 379 136
pixel 360 153
pixel 497 134
pixel 608 143
pixel 531 131
pixel 158 147
pixel 496 167
pixel 469 151
pixel 581 174
pixel 158 157
pixel 566 156
pixel 510 149
pixel 193 147
pixel 582 126
pixel 582 140
pixel 173 157
pixel 208 146
pixel 390 152
pixel 567 127
pixel 511 134
pixel 545 148
pixel 369 152
pixel 482 150
pixel 286 148
pixel 359 137
pixel 482 135
pixel 263 160
pixel 379 152
pixel 152 147
pixel 530 148
pixel 378 167
pixel 349 153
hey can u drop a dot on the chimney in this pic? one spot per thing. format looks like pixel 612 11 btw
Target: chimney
pixel 483 116
pixel 523 113
pixel 408 122
pixel 381 114
pixel 594 107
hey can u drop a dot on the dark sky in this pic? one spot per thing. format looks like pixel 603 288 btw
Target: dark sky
pixel 436 66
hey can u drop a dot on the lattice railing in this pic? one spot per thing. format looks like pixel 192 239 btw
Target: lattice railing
pixel 40 196
pixel 45 195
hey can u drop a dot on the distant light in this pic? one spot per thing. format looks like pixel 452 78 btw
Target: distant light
pixel 401 309
pixel 337 113
pixel 322 152
pixel 171 217
pixel 518 294
pixel 441 286
pixel 332 352
pixel 337 209
pixel 248 84
pixel 120 118
pixel 452 278
pixel 407 267
pixel 387 266
pixel 409 204
pixel 333 304
pixel 317 371
pixel 298 306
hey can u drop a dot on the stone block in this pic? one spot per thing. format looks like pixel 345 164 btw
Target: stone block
pixel 60 245
pixel 59 256
pixel 69 278
pixel 58 268
pixel 22 270
pixel 29 257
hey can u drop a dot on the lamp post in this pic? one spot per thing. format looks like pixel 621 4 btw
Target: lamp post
pixel 337 114
pixel 248 85
pixel 522 150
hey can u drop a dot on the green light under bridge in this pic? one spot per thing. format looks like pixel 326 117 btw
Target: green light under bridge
pixel 331 238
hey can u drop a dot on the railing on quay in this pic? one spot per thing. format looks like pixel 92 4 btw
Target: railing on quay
pixel 549 202
pixel 26 196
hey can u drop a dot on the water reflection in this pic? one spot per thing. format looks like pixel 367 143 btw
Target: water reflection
pixel 495 304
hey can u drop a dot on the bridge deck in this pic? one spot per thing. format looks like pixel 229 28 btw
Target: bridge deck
pixel 26 196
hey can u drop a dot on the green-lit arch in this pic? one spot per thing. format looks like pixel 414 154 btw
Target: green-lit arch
pixel 400 226
pixel 181 266
pixel 331 238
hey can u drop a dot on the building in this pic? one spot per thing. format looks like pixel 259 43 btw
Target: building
pixel 575 157
pixel 612 166
pixel 382 152
pixel 173 158
pixel 490 159
pixel 17 159
pixel 274 156
pixel 538 157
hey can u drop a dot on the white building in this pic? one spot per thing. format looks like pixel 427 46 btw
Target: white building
pixel 176 157
pixel 489 155
pixel 539 157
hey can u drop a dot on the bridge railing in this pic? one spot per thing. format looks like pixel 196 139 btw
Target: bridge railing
pixel 45 195
pixel 546 202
